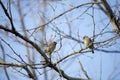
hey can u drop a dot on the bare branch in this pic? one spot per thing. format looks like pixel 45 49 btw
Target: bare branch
pixel 6 13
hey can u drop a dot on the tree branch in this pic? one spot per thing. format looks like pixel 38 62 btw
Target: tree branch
pixel 111 16
pixel 6 13
pixel 41 52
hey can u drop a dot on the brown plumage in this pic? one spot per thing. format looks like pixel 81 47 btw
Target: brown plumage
pixel 50 48
pixel 88 43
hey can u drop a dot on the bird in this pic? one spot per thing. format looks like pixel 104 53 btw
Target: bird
pixel 88 43
pixel 50 48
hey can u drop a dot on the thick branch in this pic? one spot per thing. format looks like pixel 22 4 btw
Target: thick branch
pixel 41 52
pixel 111 16
pixel 27 40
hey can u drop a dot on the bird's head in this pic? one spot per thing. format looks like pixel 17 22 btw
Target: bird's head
pixel 54 42
pixel 85 37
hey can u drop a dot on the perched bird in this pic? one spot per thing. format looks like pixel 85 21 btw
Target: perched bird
pixel 88 43
pixel 50 48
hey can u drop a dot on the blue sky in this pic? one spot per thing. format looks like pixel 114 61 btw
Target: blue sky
pixel 80 26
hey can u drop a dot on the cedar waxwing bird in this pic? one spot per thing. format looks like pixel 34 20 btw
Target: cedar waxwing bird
pixel 88 43
pixel 50 48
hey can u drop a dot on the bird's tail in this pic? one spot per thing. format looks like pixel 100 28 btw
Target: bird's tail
pixel 92 51
pixel 50 57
